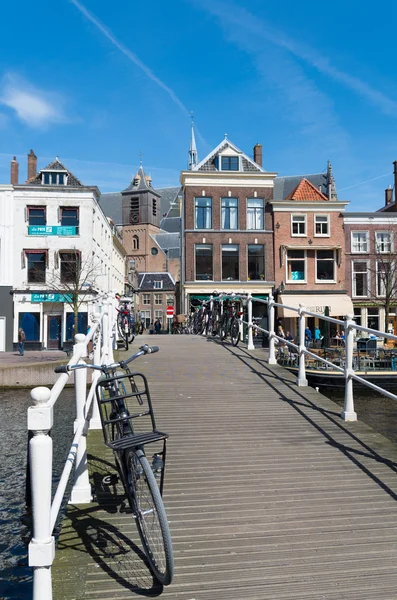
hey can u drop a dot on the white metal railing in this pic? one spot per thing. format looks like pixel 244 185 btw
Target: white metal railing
pixel 40 421
pixel 348 324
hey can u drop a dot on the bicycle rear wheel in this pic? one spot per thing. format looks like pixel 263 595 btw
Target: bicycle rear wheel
pixel 235 332
pixel 147 505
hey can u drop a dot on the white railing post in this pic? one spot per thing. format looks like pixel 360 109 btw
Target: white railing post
pixel 301 379
pixel 42 545
pixel 81 492
pixel 348 413
pixel 104 335
pixel 272 356
pixel 111 311
pixel 95 421
pixel 250 343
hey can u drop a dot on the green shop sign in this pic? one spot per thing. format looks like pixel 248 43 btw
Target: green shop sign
pixel 52 230
pixel 50 298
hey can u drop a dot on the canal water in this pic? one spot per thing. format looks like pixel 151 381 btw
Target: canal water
pixel 15 575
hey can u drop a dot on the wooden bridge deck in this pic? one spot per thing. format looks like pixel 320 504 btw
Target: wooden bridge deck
pixel 269 494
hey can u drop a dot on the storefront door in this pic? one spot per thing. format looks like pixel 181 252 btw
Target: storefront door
pixel 54 326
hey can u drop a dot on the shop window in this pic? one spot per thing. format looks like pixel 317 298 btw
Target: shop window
pixel 230 262
pixel 82 325
pixel 256 262
pixel 30 323
pixel 203 262
pixel 296 266
pixel 373 318
pixel 357 316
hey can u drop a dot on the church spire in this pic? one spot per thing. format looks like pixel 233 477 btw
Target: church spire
pixel 193 159
pixel 332 193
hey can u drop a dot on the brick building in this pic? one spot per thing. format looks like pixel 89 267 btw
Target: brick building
pixel 157 291
pixel 309 244
pixel 227 235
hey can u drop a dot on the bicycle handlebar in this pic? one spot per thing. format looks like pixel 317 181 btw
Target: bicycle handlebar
pixel 145 349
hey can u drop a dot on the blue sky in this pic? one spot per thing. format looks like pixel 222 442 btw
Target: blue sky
pixel 97 83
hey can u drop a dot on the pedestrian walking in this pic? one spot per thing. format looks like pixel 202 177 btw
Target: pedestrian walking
pixel 157 327
pixel 308 337
pixel 21 341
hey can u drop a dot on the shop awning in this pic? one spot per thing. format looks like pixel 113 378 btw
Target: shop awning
pixel 339 305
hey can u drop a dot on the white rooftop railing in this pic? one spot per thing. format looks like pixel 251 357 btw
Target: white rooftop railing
pixel 348 324
pixel 45 510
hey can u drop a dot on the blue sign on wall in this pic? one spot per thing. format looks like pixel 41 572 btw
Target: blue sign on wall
pixel 52 230
pixel 50 298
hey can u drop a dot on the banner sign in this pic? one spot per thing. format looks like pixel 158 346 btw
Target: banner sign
pixel 50 298
pixel 52 230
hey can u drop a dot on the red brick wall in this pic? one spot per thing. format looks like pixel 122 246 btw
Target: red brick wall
pixel 282 236
pixel 217 237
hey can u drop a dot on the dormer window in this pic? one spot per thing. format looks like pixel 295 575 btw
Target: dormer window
pixel 230 163
pixel 158 285
pixel 54 178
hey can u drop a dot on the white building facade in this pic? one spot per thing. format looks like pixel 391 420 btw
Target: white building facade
pixel 6 267
pixel 59 228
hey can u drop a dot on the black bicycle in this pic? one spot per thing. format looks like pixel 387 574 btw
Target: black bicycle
pixel 128 425
pixel 125 322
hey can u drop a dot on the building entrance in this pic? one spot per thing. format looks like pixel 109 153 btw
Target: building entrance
pixel 54 328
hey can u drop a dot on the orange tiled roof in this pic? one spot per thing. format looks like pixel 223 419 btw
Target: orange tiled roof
pixel 306 191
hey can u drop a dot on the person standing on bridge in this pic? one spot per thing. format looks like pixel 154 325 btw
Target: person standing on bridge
pixel 21 341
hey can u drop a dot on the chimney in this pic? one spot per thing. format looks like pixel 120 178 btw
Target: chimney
pixel 388 196
pixel 258 154
pixel 14 171
pixel 32 165
pixel 395 184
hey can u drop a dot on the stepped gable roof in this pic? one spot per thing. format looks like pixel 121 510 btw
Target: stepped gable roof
pixel 56 165
pixel 305 191
pixel 283 186
pixel 209 163
pixel 146 281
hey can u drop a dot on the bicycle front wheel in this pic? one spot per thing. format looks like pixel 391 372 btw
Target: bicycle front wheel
pixel 151 520
pixel 235 332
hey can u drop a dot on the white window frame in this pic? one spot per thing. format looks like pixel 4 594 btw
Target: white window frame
pixel 390 233
pixel 159 314
pixel 354 295
pixel 158 285
pixel 292 225
pixel 144 298
pixel 366 250
pixel 315 267
pixel 296 281
pixel 158 296
pixel 380 262
pixel 328 234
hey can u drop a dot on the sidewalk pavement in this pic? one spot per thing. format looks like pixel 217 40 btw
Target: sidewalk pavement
pixel 14 358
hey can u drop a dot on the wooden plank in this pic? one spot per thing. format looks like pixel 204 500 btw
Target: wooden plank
pixel 269 494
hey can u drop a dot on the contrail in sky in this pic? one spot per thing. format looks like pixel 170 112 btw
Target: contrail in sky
pixel 130 55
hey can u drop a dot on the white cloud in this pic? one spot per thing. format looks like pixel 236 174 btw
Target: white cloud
pixel 37 108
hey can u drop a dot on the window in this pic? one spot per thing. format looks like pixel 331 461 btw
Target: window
pixel 230 262
pixel 145 318
pixel 385 284
pixel 298 225
pixel 36 266
pixel 203 262
pixel 325 265
pixel 256 262
pixel 70 267
pixel 154 207
pixel 37 215
pixel 134 211
pixel 357 317
pixel 321 225
pixel 158 285
pixel 296 266
pixel 146 299
pixel 203 213
pixel 255 213
pixel 158 298
pixel 82 324
pixel 69 217
pixel 229 213
pixel 359 241
pixel 54 178
pixel 154 251
pixel 135 242
pixel 30 323
pixel 230 163
pixel 373 318
pixel 383 241
pixel 360 279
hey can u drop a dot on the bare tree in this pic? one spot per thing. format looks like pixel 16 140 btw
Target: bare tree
pixel 74 276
